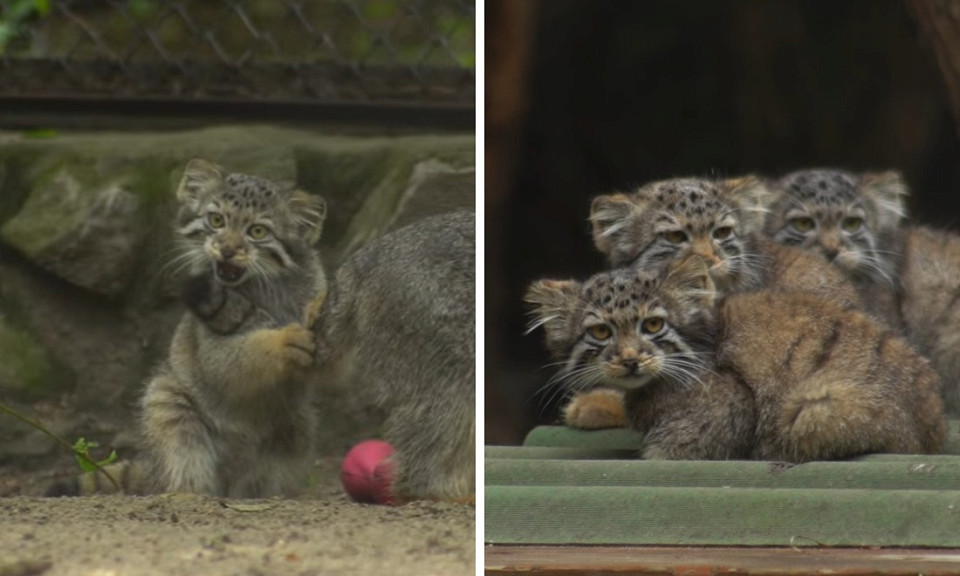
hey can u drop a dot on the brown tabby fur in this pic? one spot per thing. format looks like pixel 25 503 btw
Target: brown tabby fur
pixel 764 375
pixel 632 230
pixel 908 276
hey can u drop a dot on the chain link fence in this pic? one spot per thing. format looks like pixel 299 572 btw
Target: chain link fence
pixel 354 51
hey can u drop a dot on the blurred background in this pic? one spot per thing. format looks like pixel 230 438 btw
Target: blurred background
pixel 367 103
pixel 586 97
pixel 293 60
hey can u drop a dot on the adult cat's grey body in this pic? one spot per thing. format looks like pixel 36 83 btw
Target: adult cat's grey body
pixel 399 323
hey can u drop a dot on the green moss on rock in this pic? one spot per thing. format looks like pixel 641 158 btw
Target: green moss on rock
pixel 26 366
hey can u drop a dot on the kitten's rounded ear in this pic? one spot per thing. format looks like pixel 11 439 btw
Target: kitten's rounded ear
pixel 612 217
pixel 689 279
pixel 753 196
pixel 309 212
pixel 888 192
pixel 551 302
pixel 200 178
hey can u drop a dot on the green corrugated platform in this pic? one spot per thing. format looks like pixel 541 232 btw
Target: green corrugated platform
pixel 566 486
pixel 624 439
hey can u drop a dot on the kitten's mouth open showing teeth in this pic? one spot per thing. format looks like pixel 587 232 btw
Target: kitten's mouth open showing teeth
pixel 229 273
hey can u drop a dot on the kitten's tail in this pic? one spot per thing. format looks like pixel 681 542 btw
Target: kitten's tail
pixel 132 476
pixel 828 419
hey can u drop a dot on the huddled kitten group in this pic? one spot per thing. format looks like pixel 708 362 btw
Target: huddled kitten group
pixel 230 411
pixel 795 319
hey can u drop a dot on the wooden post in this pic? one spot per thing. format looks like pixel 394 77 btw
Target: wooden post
pixel 510 26
pixel 939 22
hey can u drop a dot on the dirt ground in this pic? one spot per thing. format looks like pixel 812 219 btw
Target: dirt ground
pixel 322 533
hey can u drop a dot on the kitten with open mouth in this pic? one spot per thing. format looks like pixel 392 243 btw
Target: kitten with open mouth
pixel 229 273
pixel 229 412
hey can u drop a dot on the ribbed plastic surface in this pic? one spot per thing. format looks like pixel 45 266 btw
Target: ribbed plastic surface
pixel 572 487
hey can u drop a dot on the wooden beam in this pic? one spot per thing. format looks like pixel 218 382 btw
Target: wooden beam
pixel 602 560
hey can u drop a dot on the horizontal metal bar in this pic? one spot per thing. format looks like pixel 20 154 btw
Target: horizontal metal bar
pixel 62 112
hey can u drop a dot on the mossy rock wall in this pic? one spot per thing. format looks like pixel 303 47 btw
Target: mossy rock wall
pixel 86 307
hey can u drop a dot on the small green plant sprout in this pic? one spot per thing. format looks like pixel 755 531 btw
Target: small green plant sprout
pixel 81 451
pixel 81 448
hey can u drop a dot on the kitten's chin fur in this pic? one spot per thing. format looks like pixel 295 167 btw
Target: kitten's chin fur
pixel 629 382
pixel 848 261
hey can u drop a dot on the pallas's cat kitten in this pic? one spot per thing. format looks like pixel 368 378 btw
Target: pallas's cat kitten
pixel 908 276
pixel 763 375
pixel 719 220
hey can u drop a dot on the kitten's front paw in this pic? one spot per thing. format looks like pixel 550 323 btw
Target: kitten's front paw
pixel 297 345
pixel 281 352
pixel 595 410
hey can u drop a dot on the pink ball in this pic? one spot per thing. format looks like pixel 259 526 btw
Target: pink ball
pixel 367 473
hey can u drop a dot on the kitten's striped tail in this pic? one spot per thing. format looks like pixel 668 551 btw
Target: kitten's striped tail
pixel 831 418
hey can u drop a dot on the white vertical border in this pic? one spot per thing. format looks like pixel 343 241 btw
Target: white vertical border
pixel 479 143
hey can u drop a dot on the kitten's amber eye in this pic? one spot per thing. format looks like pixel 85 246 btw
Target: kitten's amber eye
pixel 675 236
pixel 803 224
pixel 652 325
pixel 852 224
pixel 258 231
pixel 723 232
pixel 599 331
pixel 216 220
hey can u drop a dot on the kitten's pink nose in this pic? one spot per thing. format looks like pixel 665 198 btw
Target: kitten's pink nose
pixel 705 251
pixel 830 241
pixel 830 247
pixel 629 359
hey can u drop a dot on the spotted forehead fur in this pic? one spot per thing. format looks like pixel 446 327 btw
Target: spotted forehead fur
pixel 243 191
pixel 690 197
pixel 620 292
pixel 823 187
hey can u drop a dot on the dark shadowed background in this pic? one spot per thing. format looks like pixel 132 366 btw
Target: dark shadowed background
pixel 586 97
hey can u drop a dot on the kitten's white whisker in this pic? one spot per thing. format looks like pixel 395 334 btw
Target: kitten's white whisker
pixel 539 322
pixel 877 269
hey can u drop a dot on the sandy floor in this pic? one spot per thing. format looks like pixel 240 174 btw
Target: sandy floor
pixel 185 534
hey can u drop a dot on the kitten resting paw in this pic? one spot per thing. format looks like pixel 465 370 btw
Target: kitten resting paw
pixel 596 410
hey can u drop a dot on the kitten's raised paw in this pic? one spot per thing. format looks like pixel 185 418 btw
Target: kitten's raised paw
pixel 281 352
pixel 596 410
pixel 297 345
